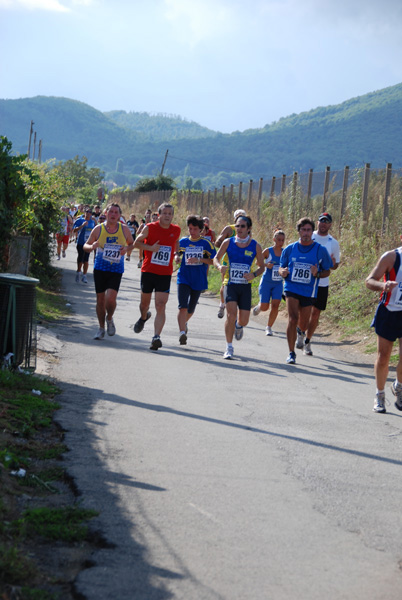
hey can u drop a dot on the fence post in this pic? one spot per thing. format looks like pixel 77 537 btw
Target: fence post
pixel 208 201
pixel 294 190
pixel 366 180
pixel 215 196
pixel 240 193
pixel 326 188
pixel 272 192
pixel 344 192
pixel 223 194
pixel 250 193
pixel 259 197
pixel 388 174
pixel 283 184
pixel 202 204
pixel 309 185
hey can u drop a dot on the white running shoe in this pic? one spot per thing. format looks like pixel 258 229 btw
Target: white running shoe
pixel 84 279
pixel 398 394
pixel 139 264
pixel 300 339
pixel 100 335
pixel 379 403
pixel 268 330
pixel 239 330
pixel 58 257
pixel 221 312
pixel 111 329
pixel 291 359
pixel 307 349
pixel 229 352
pixel 256 310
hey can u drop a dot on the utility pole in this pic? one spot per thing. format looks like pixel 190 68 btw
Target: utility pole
pixel 164 162
pixel 34 144
pixel 30 136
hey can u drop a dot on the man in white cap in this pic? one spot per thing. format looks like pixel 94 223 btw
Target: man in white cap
pixel 227 232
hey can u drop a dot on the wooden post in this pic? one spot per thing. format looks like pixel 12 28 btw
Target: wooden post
pixel 223 194
pixel 309 185
pixel 30 137
pixel 344 192
pixel 283 184
pixel 34 144
pixel 215 196
pixel 250 193
pixel 208 201
pixel 202 204
pixel 259 198
pixel 294 189
pixel 388 174
pixel 240 193
pixel 40 152
pixel 366 180
pixel 272 192
pixel 326 187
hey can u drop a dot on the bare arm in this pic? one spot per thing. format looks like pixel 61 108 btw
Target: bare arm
pixel 221 253
pixel 140 241
pixel 224 234
pixel 384 265
pixel 260 263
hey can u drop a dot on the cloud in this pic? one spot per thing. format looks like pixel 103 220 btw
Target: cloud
pixel 198 20
pixel 48 5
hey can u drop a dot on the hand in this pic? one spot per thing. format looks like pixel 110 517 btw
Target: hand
pixel 283 272
pixel 193 261
pixel 155 247
pixel 222 269
pixel 389 286
pixel 270 265
pixel 95 245
pixel 177 258
pixel 248 276
pixel 314 270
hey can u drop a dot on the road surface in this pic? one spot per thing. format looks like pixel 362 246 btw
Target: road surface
pixel 239 480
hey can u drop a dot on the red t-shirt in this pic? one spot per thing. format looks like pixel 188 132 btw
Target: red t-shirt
pixel 161 262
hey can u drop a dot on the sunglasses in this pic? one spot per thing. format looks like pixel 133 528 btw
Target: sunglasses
pixel 325 221
pixel 241 226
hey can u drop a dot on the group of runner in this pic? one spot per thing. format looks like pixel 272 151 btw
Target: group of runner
pixel 299 273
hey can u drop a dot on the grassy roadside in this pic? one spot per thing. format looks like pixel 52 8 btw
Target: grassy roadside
pixel 45 540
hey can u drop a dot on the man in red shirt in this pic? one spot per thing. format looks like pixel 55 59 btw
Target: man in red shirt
pixel 160 244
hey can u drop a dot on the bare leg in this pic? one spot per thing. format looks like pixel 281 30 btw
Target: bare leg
pixel 274 312
pixel 161 299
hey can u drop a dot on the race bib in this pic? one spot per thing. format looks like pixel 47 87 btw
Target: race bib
pixel 275 273
pixel 131 229
pixel 301 273
pixel 237 271
pixel 162 257
pixel 398 296
pixel 111 253
pixel 196 252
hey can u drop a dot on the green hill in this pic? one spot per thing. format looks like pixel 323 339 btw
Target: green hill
pixel 364 129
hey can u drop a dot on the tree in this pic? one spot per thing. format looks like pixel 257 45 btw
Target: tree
pixel 151 184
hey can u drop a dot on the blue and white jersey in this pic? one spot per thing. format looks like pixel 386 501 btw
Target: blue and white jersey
pixel 240 261
pixel 85 232
pixel 299 260
pixel 272 275
pixel 194 275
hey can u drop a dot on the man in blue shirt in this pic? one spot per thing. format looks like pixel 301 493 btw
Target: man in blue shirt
pixel 302 264
pixel 82 228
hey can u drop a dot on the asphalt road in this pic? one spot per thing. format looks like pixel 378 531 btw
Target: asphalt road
pixel 247 479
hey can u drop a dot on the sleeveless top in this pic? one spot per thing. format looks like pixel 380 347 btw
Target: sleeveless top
pixel 393 300
pixel 108 257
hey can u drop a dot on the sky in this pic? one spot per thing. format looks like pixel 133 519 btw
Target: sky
pixel 229 65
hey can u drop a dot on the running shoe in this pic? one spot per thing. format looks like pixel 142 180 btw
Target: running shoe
pixel 397 391
pixel 183 339
pixel 139 326
pixel 63 254
pixel 100 335
pixel 127 258
pixel 291 359
pixel 58 257
pixel 238 332
pixel 139 264
pixel 84 279
pixel 221 312
pixel 307 349
pixel 300 339
pixel 268 330
pixel 256 310
pixel 156 343
pixel 229 353
pixel 379 403
pixel 77 277
pixel 111 329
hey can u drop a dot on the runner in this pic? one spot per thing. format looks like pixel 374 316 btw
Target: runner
pixel 301 265
pixel 197 254
pixel 208 234
pixel 133 226
pixel 144 222
pixel 111 239
pixel 82 229
pixel 226 233
pixel 241 252
pixel 387 323
pixel 322 236
pixel 159 242
pixel 271 284
pixel 63 236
